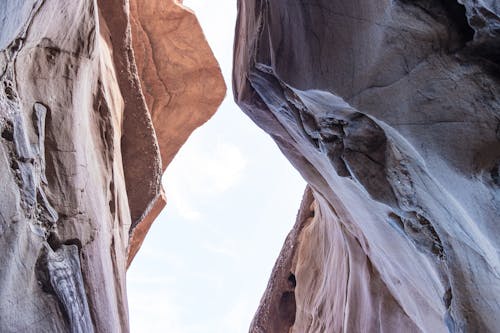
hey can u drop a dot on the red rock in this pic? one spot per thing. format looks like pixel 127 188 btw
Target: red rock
pixel 83 132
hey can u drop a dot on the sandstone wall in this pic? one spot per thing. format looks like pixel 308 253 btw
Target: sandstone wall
pixel 391 111
pixel 84 127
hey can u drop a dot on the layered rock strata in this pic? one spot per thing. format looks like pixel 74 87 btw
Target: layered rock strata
pixel 93 95
pixel 391 112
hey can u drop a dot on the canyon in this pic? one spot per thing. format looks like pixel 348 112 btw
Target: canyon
pixel 390 110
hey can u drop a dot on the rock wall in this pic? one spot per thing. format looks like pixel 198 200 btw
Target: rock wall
pixel 93 95
pixel 390 110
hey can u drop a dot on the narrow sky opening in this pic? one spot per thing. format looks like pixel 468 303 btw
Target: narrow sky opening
pixel 232 198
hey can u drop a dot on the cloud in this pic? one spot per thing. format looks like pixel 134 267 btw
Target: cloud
pixel 153 305
pixel 179 201
pixel 157 256
pixel 238 318
pixel 200 171
pixel 226 249
pixel 153 311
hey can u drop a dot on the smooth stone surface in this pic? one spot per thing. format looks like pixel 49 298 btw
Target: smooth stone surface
pixel 390 110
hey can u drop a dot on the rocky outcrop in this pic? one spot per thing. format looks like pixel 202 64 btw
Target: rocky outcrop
pixel 390 110
pixel 180 79
pixel 94 94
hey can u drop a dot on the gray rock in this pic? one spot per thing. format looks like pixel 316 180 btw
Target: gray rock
pixel 390 110
pixel 80 163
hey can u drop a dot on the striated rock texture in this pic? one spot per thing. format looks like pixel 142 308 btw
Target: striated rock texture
pixel 390 110
pixel 93 95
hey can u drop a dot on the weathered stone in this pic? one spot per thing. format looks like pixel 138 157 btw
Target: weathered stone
pixel 390 111
pixel 80 155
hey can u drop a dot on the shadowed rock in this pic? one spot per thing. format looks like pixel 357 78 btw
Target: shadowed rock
pixel 81 148
pixel 390 111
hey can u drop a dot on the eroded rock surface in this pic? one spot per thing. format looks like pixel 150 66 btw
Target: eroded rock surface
pixel 80 153
pixel 391 112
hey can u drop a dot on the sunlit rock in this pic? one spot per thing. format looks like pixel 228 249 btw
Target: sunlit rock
pixel 93 95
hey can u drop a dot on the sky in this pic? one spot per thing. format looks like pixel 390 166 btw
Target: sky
pixel 232 198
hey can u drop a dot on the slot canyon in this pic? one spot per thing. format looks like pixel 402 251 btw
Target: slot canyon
pixel 388 109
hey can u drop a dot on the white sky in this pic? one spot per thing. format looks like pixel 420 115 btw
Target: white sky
pixel 232 198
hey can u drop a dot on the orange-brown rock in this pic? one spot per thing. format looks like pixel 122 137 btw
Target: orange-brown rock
pixel 180 79
pixel 80 154
pixel 138 234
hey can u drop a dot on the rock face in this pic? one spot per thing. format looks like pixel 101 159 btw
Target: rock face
pixel 93 95
pixel 391 111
